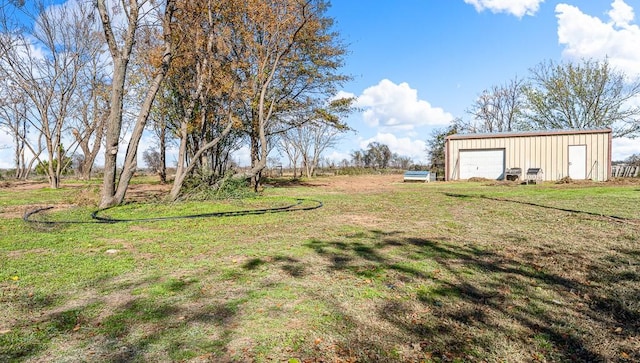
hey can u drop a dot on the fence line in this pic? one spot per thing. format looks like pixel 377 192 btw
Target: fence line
pixel 625 171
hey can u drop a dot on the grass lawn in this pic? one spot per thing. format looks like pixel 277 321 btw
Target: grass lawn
pixel 384 271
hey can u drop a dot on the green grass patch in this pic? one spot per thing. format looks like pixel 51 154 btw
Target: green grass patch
pixel 407 272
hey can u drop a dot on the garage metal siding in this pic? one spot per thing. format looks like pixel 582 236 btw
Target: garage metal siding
pixel 564 150
pixel 548 151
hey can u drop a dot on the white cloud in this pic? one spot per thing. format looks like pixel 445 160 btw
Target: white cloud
pixel 621 14
pixel 623 147
pixel 343 94
pixel 397 107
pixel 585 36
pixel 518 8
pixel 403 146
pixel 338 156
pixel 6 151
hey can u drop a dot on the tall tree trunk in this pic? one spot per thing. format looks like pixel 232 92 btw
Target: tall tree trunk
pixel 54 183
pixel 112 134
pixel 19 155
pixel 113 193
pixel 255 161
pixel 182 159
pixel 131 157
pixel 163 153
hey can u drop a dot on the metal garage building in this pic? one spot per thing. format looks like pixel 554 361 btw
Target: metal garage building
pixel 578 154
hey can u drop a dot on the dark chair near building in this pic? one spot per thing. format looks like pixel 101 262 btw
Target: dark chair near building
pixel 513 174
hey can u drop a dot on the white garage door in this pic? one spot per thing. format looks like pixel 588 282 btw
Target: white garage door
pixel 482 164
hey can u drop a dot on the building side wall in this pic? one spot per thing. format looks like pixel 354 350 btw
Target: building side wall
pixel 549 152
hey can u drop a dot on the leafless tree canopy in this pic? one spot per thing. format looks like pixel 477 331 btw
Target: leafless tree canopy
pixel 43 62
pixel 498 109
pixel 583 95
pixel 307 143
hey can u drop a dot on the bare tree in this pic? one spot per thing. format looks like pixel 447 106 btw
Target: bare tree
pixel 154 161
pixel 633 160
pixel 92 106
pixel 287 145
pixel 582 95
pixel 309 141
pixel 13 118
pixel 161 115
pixel 400 161
pixel 319 130
pixel 43 62
pixel 357 158
pixel 499 109
pixel 120 43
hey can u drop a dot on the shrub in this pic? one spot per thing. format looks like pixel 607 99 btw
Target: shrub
pixel 227 187
pixel 43 167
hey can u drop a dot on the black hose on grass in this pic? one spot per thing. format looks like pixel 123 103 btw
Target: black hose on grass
pixel 593 214
pixel 295 207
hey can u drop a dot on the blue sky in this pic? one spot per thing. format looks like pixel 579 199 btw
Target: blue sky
pixel 417 64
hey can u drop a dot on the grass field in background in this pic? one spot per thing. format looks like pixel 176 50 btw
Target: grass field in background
pixel 408 272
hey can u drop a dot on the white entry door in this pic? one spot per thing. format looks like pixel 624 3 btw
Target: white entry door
pixel 578 161
pixel 482 164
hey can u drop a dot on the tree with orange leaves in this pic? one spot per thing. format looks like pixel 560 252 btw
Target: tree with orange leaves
pixel 290 70
pixel 256 68
pixel 202 84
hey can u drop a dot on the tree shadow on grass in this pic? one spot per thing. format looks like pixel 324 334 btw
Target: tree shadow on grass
pixel 476 299
pixel 128 324
pixel 291 266
pixel 405 298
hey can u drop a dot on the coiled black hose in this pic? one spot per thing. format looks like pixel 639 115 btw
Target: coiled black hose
pixel 294 207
